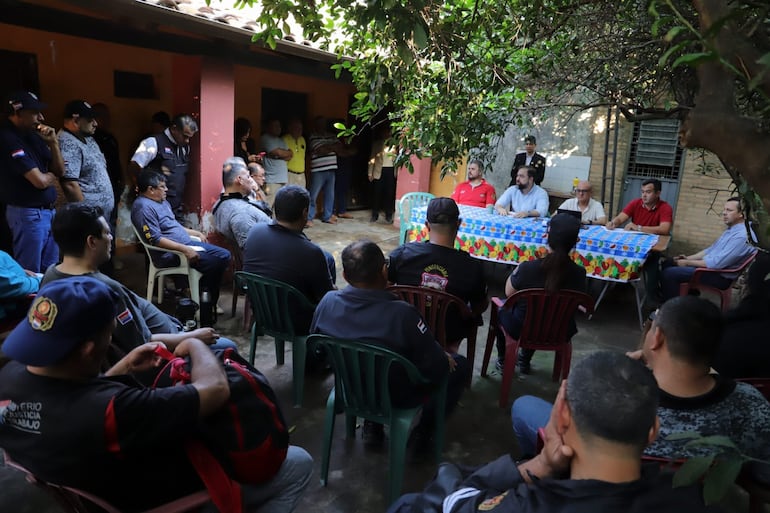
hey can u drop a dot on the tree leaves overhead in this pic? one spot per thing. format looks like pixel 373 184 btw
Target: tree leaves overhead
pixel 452 74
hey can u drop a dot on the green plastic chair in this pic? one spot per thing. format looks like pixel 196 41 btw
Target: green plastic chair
pixel 361 372
pixel 270 300
pixel 409 201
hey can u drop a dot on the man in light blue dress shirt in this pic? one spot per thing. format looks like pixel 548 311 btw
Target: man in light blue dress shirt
pixel 728 251
pixel 525 199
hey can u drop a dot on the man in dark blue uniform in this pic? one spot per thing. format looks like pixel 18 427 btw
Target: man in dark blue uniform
pixel 30 165
pixel 364 310
pixel 168 153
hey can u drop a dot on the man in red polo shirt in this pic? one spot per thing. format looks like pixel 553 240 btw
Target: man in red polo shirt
pixel 476 192
pixel 648 214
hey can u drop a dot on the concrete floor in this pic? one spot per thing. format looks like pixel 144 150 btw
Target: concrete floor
pixel 477 432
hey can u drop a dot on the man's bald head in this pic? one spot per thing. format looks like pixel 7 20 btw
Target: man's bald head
pixel 584 191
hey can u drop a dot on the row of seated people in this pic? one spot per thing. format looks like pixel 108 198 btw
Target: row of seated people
pixel 367 274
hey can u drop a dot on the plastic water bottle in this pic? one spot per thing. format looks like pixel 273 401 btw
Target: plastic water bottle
pixel 208 309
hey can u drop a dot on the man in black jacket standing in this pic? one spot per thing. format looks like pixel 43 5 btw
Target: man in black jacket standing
pixel 529 158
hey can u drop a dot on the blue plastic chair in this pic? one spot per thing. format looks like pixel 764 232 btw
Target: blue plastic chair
pixel 270 300
pixel 409 201
pixel 361 371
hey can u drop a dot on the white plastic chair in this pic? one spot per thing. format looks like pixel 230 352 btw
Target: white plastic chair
pixel 193 275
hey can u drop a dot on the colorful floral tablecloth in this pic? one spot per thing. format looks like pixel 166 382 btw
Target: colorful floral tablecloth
pixel 615 255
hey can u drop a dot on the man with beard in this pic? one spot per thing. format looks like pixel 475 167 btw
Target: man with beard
pixel 525 199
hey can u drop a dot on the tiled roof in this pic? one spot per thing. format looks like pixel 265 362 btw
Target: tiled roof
pixel 223 11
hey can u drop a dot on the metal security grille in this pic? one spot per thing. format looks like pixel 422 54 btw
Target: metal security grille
pixel 655 152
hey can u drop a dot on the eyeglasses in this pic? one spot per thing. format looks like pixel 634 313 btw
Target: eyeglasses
pixel 581 191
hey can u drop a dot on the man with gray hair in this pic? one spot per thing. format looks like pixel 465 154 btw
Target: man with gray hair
pixel 168 153
pixel 235 213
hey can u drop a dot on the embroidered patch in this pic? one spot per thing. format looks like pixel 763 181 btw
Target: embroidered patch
pixel 42 314
pixel 18 153
pixel 421 326
pixel 168 149
pixel 492 503
pixel 125 317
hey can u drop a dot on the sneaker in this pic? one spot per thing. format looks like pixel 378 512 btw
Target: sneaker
pixel 373 433
pixel 499 364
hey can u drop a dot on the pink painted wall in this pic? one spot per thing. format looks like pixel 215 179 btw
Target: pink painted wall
pixel 216 124
pixel 419 181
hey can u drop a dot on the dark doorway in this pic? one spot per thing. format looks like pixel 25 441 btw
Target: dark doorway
pixel 283 106
pixel 19 74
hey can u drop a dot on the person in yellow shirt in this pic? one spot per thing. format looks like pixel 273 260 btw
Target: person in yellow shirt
pixel 296 144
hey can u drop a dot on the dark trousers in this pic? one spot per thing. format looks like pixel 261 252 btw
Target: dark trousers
pixel 384 193
pixel 212 263
pixel 673 276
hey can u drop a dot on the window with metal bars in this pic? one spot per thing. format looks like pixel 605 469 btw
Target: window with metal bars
pixel 655 150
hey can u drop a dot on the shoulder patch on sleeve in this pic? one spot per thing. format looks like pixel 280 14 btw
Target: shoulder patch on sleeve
pixel 421 326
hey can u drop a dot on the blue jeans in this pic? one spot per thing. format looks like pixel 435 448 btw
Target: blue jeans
pixel 528 414
pixel 282 493
pixel 322 180
pixel 33 245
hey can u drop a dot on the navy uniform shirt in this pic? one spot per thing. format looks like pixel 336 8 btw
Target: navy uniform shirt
pixel 379 317
pixel 19 153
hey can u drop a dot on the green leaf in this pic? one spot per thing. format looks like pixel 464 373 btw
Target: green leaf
pixel 420 36
pixel 692 470
pixel 714 441
pixel 684 435
pixel 671 34
pixel 719 479
pixel 693 59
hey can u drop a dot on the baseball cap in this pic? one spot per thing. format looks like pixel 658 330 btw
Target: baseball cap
pixel 443 211
pixel 530 139
pixel 79 108
pixel 24 100
pixel 63 315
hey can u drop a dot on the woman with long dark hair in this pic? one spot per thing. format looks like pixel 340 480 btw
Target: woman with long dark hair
pixel 245 147
pixel 555 272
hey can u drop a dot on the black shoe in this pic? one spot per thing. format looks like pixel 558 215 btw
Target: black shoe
pixel 373 434
pixel 389 218
pixel 523 368
pixel 374 218
pixel 522 361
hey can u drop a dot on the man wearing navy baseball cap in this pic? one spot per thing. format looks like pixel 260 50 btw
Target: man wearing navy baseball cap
pixel 106 434
pixel 30 164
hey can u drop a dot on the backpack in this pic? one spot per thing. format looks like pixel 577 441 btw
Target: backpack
pixel 248 435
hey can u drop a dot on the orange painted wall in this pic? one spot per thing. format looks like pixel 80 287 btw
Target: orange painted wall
pixel 71 68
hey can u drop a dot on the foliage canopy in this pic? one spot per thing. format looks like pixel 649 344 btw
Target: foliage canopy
pixel 452 74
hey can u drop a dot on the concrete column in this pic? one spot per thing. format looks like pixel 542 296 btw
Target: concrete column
pixel 205 88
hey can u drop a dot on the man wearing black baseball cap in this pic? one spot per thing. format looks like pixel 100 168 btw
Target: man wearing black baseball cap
pixel 85 176
pixel 30 165
pixel 529 158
